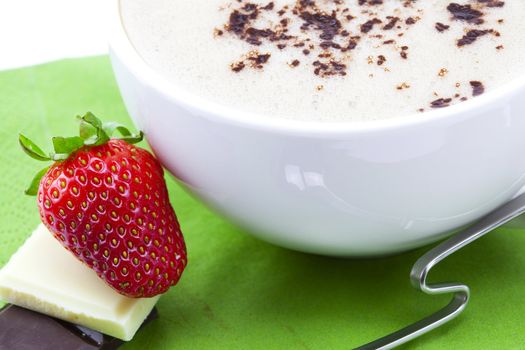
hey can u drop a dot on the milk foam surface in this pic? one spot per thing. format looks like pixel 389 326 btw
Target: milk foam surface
pixel 192 44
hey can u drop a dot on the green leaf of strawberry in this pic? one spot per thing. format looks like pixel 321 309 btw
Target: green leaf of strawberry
pixel 106 201
pixel 92 133
pixel 32 149
pixel 64 146
pixel 32 190
pixel 100 137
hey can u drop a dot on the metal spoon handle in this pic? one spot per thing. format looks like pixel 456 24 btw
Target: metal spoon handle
pixel 422 267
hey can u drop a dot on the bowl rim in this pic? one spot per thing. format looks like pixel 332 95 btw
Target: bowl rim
pixel 120 46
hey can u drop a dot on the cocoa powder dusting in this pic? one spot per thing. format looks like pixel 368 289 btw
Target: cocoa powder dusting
pixel 322 30
pixel 324 34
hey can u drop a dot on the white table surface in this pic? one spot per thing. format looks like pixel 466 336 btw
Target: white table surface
pixel 37 31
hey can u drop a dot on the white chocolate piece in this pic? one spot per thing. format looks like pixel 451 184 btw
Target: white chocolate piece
pixel 45 277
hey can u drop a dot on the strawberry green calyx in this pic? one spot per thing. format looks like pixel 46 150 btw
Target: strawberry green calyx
pixel 32 190
pixel 93 132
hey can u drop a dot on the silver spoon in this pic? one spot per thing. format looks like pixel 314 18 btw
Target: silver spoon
pixel 422 267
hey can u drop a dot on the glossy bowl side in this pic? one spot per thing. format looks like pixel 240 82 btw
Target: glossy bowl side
pixel 345 189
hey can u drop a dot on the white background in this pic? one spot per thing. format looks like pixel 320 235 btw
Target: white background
pixel 36 31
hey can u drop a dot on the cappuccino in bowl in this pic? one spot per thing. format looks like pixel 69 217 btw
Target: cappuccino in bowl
pixel 325 60
pixel 336 127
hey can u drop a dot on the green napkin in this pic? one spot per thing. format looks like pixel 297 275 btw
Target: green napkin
pixel 239 292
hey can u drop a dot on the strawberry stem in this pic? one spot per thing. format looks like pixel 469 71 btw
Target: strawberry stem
pixel 92 133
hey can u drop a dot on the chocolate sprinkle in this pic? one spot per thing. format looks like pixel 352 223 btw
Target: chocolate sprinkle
pixel 477 88
pixel 440 27
pixel 369 25
pixel 440 103
pixel 465 13
pixel 472 35
pixel 253 59
pixel 410 21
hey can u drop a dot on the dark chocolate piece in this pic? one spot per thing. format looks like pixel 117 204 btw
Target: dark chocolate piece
pixel 22 329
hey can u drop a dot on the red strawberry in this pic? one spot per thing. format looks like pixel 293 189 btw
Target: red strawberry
pixel 106 201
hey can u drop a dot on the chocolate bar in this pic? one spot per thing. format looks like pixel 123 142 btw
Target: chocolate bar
pixel 23 329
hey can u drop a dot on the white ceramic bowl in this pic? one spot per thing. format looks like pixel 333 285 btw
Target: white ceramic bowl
pixel 347 189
